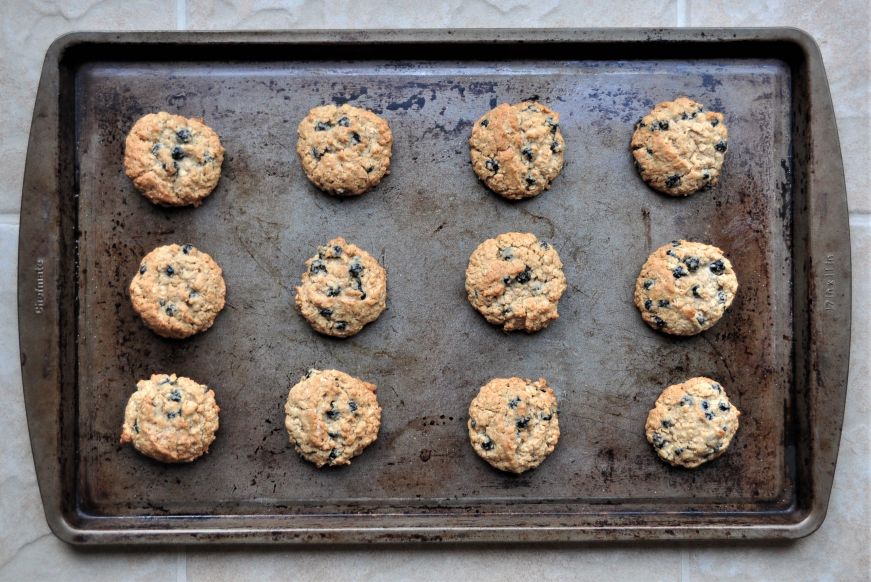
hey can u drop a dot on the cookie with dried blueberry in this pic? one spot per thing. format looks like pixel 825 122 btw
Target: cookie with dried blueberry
pixel 343 288
pixel 517 150
pixel 173 160
pixel 514 423
pixel 692 423
pixel 171 418
pixel 178 291
pixel 685 287
pixel 515 281
pixel 331 417
pixel 344 150
pixel 679 147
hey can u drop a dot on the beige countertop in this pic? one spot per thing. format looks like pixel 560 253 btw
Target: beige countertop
pixel 839 550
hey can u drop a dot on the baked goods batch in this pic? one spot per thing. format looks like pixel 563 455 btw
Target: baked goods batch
pixel 515 280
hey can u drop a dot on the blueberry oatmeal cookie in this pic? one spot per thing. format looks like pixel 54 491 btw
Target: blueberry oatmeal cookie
pixel 685 287
pixel 344 150
pixel 343 288
pixel 517 150
pixel 171 418
pixel 679 147
pixel 173 160
pixel 178 291
pixel 516 281
pixel 331 417
pixel 692 423
pixel 514 423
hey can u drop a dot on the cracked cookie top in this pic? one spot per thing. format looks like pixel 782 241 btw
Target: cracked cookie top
pixel 343 288
pixel 171 418
pixel 517 150
pixel 178 291
pixel 516 281
pixel 514 423
pixel 685 287
pixel 679 147
pixel 344 150
pixel 173 160
pixel 692 423
pixel 331 417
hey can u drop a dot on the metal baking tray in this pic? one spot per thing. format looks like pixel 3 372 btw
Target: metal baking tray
pixel 779 213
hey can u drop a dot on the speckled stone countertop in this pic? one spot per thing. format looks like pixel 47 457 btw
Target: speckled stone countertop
pixel 840 550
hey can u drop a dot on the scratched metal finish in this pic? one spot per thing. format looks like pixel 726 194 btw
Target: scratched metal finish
pixel 430 351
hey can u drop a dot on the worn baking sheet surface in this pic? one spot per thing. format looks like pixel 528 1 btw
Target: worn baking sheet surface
pixel 430 351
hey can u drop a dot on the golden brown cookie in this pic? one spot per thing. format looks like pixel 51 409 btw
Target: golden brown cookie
pixel 343 288
pixel 178 291
pixel 514 423
pixel 685 287
pixel 173 160
pixel 344 150
pixel 516 281
pixel 517 150
pixel 692 423
pixel 171 418
pixel 679 147
pixel 331 417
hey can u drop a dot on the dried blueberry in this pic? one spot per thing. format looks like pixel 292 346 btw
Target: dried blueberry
pixel 648 304
pixel 649 283
pixel 709 415
pixel 487 444
pixel 492 165
pixel 355 138
pixel 706 176
pixel 333 435
pixel 546 416
pixel 186 249
pixel 543 244
pixel 170 271
pixel 701 319
pixel 525 276
pixel 327 313
pixel 716 387
pixel 554 147
pixel 317 266
pixel 724 406
pixel 337 250
pixel 670 252
pixel 717 267
pixel 321 126
pixel 171 415
pixel 485 122
pixel 659 441
pixel 696 291
pixel 678 451
pixel 316 154
pixel 684 116
pixel 506 280
pixel 177 153
pixel 667 423
pixel 344 121
pixel 193 295
pixel 334 453
pixel 522 423
pixel 679 272
pixel 527 153
pixel 352 406
pixel 369 169
pixel 715 122
pixel 333 291
pixel 672 181
pixel 692 263
pixel 341 325
pixel 659 321
pixel 649 152
pixel 721 296
pixel 530 182
pixel 675 243
pixel 136 426
pixel 721 146
pixel 356 268
pixel 506 253
pixel 663 125
pixel 183 135
pixel 686 401
pixel 705 405
pixel 332 413
pixel 175 395
pixel 552 124
pixel 170 310
pixel 155 148
pixel 142 269
pixel 514 402
pixel 664 303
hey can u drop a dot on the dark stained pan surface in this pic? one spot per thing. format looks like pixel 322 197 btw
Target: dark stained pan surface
pixel 430 351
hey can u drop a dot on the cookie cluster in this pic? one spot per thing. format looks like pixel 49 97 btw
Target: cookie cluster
pixel 514 280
